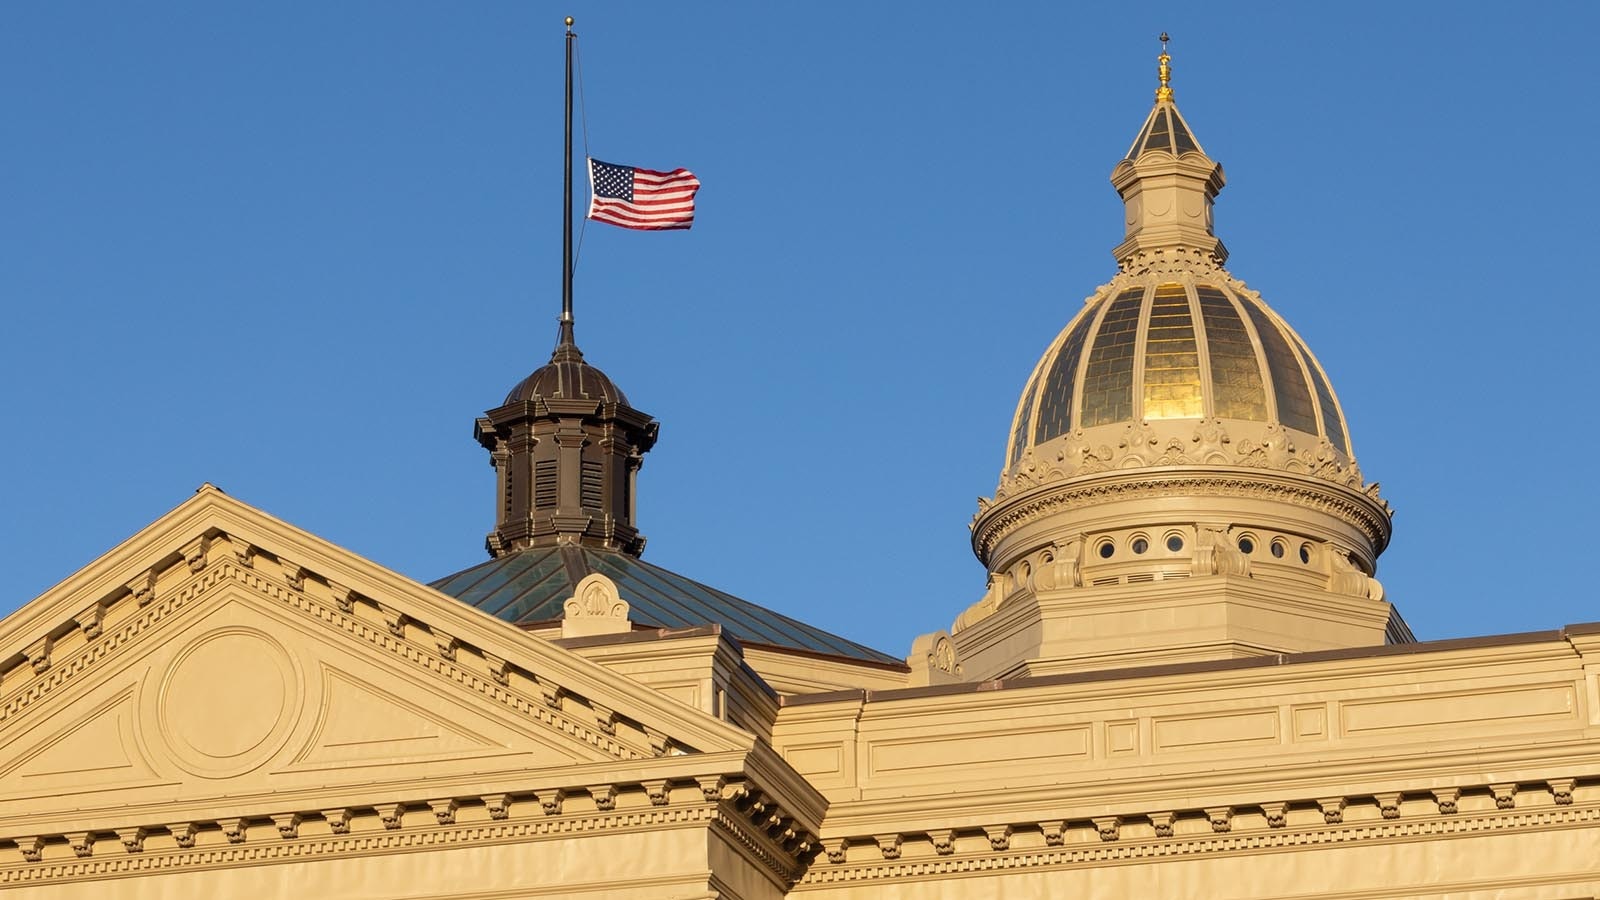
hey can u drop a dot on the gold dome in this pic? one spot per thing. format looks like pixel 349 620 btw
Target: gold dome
pixel 1176 405
pixel 1154 347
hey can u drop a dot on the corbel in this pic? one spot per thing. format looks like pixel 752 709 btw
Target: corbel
pixel 32 848
pixel 395 620
pixel 499 669
pixel 82 844
pixel 498 805
pixel 234 829
pixel 660 744
pixel 1446 798
pixel 288 825
pixel 1561 790
pixel 143 588
pixel 1055 832
pixel 659 791
pixel 605 718
pixel 91 619
pixel 999 836
pixel 1277 814
pixel 1332 810
pixel 1110 827
pixel 338 820
pixel 944 842
pixel 448 645
pixel 1221 818
pixel 1505 795
pixel 711 788
pixel 444 811
pixel 837 851
pixel 392 816
pixel 244 551
pixel 1162 822
pixel 295 574
pixel 605 797
pixel 1388 805
pixel 194 553
pixel 551 801
pixel 183 833
pixel 133 839
pixel 889 844
pixel 38 653
pixel 343 597
pixel 550 691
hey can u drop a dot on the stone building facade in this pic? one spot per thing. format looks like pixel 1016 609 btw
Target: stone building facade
pixel 1182 678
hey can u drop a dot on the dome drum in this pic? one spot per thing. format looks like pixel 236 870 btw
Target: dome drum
pixel 1184 502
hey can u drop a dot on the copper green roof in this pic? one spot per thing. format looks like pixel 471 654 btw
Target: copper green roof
pixel 532 585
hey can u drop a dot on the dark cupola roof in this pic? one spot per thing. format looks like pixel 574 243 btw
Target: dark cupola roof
pixel 566 448
pixel 567 376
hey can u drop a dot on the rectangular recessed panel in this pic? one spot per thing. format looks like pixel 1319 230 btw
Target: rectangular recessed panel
pixel 1171 358
pixel 950 752
pixel 1108 378
pixel 1460 709
pixel 1236 388
pixel 811 761
pixel 1216 732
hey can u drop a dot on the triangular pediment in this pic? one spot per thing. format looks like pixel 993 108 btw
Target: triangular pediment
pixel 221 653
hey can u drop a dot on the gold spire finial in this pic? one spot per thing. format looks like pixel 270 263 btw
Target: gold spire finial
pixel 1164 92
pixel 569 21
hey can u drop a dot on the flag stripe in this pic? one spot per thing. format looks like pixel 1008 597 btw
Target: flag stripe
pixel 641 199
pixel 617 216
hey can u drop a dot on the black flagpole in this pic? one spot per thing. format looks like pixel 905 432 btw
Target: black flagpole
pixel 566 206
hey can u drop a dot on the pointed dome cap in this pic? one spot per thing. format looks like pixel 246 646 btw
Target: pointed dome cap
pixel 566 376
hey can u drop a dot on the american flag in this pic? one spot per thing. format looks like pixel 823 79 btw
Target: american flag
pixel 641 198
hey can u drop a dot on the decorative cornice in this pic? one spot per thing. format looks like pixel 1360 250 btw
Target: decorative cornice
pixel 732 804
pixel 1103 839
pixel 1050 497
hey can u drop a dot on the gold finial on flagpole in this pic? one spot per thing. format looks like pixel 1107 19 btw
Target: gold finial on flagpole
pixel 569 21
pixel 1164 92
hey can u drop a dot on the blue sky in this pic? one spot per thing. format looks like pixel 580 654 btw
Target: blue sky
pixel 294 249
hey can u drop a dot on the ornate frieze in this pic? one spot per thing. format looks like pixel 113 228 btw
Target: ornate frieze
pixel 1207 442
pixel 1226 828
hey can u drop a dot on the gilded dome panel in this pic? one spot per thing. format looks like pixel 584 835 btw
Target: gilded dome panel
pixel 1108 378
pixel 1332 421
pixel 1171 358
pixel 1236 388
pixel 1056 403
pixel 1289 389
